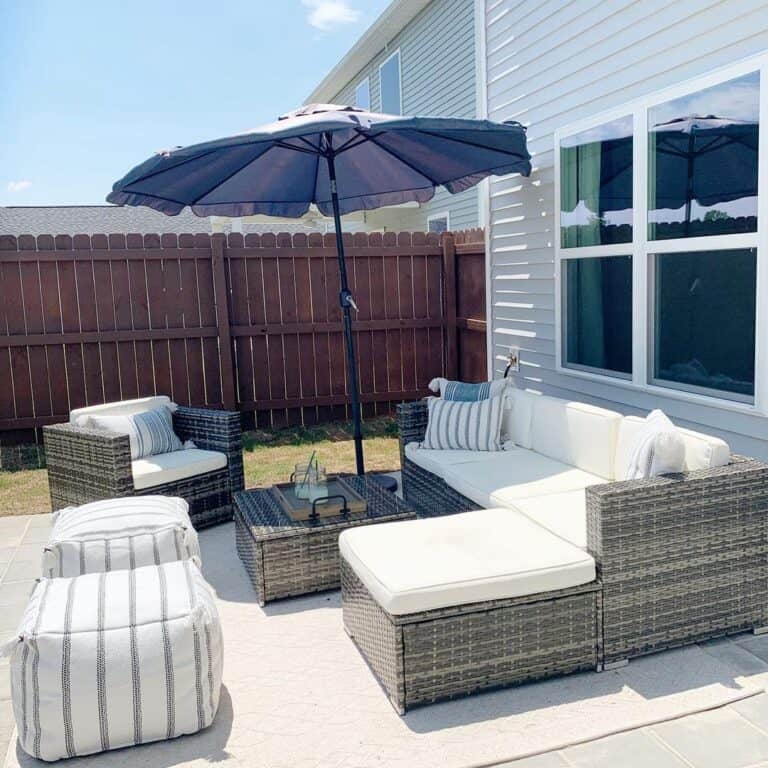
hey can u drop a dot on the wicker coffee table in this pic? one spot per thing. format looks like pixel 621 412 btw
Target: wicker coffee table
pixel 285 558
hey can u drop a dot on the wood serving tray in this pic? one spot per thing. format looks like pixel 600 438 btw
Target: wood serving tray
pixel 298 509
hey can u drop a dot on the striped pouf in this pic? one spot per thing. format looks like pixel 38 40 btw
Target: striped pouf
pixel 119 533
pixel 108 660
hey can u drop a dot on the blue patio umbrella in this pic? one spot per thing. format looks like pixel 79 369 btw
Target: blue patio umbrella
pixel 341 159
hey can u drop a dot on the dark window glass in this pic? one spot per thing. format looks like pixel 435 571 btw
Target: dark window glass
pixel 389 82
pixel 705 320
pixel 596 186
pixel 438 224
pixel 597 310
pixel 702 163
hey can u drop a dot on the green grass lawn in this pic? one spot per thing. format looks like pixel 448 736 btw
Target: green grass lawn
pixel 268 456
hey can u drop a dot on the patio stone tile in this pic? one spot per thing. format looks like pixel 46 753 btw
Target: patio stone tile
pixel 634 749
pixel 736 656
pixel 754 709
pixel 5 683
pixel 756 644
pixel 37 535
pixel 15 592
pixel 22 570
pixel 41 521
pixel 28 552
pixel 548 760
pixel 717 739
pixel 6 555
pixel 12 530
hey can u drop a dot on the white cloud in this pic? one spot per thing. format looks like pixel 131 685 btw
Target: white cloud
pixel 326 14
pixel 19 186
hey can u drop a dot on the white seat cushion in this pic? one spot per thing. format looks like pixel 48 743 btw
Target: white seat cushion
pixel 120 533
pixel 576 433
pixel 701 451
pixel 107 660
pixel 122 408
pixel 491 554
pixel 501 478
pixel 170 467
pixel 437 461
pixel 564 514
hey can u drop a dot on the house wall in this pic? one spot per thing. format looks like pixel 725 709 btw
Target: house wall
pixel 437 63
pixel 549 64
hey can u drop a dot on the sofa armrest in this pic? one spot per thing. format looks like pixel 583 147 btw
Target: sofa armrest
pixel 214 430
pixel 86 465
pixel 412 423
pixel 681 557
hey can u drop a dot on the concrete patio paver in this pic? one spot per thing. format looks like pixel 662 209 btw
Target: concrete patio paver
pixel 735 736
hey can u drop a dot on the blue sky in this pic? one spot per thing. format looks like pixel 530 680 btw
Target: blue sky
pixel 92 87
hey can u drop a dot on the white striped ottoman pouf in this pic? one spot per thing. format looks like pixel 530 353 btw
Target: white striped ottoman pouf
pixel 120 533
pixel 108 660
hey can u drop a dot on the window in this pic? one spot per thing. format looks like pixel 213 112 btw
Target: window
pixel 702 161
pixel 439 222
pixel 704 323
pixel 597 313
pixel 657 242
pixel 363 94
pixel 596 185
pixel 389 85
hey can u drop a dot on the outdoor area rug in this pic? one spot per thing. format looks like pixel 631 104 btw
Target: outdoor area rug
pixel 297 694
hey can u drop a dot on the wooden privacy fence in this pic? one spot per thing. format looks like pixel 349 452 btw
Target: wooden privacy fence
pixel 230 321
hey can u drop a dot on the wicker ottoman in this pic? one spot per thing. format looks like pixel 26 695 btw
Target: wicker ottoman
pixel 120 533
pixel 446 607
pixel 108 660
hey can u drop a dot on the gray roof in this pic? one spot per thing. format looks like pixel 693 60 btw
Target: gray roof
pixel 115 219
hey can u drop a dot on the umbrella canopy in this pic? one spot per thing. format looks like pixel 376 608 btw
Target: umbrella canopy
pixel 341 159
pixel 281 168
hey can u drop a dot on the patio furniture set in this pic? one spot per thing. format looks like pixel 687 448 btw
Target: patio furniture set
pixel 532 558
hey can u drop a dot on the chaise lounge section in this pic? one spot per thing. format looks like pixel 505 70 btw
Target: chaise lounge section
pixel 679 558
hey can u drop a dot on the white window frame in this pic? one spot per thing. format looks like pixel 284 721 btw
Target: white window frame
pixel 399 79
pixel 642 249
pixel 442 215
pixel 367 81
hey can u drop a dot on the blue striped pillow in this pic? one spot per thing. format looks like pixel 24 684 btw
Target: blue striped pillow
pixel 461 391
pixel 150 432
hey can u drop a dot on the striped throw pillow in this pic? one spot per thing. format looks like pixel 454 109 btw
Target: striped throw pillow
pixel 468 393
pixel 454 425
pixel 150 432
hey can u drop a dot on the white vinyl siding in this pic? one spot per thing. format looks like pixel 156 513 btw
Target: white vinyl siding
pixel 437 67
pixel 551 65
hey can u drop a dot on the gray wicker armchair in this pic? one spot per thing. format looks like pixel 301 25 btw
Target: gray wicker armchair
pixel 87 465
pixel 680 558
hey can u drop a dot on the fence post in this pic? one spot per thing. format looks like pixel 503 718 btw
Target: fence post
pixel 449 306
pixel 221 296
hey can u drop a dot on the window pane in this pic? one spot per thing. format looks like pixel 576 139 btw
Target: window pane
pixel 389 77
pixel 596 186
pixel 705 320
pixel 597 312
pixel 702 162
pixel 363 95
pixel 437 224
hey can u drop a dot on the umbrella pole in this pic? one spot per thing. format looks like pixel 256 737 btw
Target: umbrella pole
pixel 347 303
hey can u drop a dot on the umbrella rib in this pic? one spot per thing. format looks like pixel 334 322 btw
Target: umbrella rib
pixel 175 165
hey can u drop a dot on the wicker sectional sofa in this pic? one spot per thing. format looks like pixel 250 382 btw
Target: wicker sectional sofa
pixel 677 558
pixel 87 465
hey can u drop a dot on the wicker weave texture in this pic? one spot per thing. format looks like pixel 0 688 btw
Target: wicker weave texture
pixel 87 465
pixel 286 558
pixel 433 656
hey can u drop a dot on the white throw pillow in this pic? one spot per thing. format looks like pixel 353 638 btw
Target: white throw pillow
pixel 455 425
pixel 657 448
pixel 150 432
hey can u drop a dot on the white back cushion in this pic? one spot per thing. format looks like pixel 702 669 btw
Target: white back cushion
pixel 122 408
pixel 701 451
pixel 576 433
pixel 518 414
